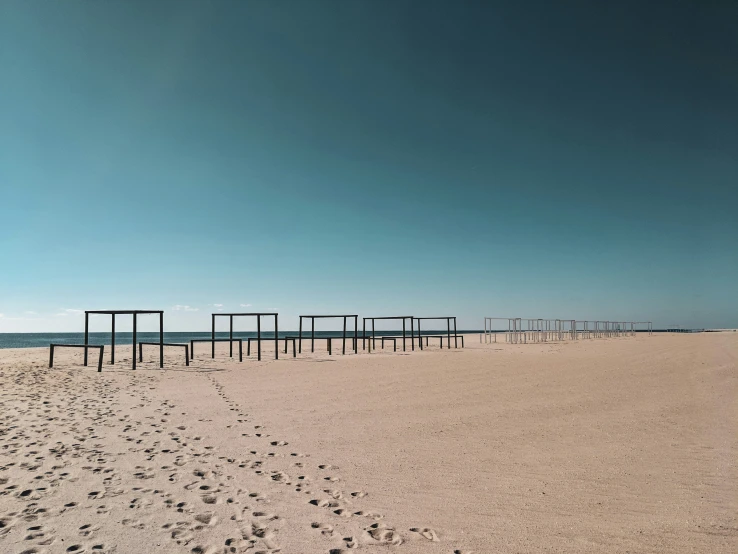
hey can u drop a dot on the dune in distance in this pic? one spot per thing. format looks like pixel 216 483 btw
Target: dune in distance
pixel 607 445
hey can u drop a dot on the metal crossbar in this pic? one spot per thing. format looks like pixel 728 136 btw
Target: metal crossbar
pixel 183 345
pixel 85 346
pixel 240 346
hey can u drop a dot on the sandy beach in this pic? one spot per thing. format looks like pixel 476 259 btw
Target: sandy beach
pixel 609 445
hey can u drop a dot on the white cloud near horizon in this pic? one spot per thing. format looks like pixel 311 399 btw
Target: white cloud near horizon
pixel 30 312
pixel 218 305
pixel 245 305
pixel 183 308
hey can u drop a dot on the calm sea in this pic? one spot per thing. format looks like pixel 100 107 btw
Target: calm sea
pixel 35 340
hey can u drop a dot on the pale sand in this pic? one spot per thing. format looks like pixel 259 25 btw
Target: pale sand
pixel 618 445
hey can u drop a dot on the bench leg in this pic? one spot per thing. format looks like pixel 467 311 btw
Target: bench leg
pixel 187 356
pixel 99 362
pixel 240 350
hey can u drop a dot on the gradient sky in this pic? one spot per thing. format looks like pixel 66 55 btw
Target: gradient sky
pixel 532 159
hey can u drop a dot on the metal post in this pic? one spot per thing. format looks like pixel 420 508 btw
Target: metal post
pixel 300 336
pixel 412 333
pixel 356 334
pixel 87 334
pixel 448 333
pixel 134 341
pixel 344 336
pixel 213 338
pixel 112 342
pixel 312 334
pixel 161 339
pixel 258 336
pixel 51 355
pixel 276 337
pixel 456 337
pixel 100 359
pixel 230 336
pixel 420 337
pixel 403 334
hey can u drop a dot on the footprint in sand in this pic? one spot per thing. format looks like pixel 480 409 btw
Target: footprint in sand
pixel 426 532
pixel 370 515
pixel 325 529
pixel 87 530
pixel 379 534
pixel 324 503
pixel 207 518
pixel 265 515
pixel 135 523
pixel 334 493
pixel 205 550
pixel 6 524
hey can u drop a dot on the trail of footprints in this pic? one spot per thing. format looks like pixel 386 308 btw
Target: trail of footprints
pixel 334 501
pixel 58 464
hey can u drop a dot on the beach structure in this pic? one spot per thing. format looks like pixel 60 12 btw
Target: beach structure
pixel 448 329
pixel 100 347
pixel 212 341
pixel 180 345
pixel 511 334
pixel 312 319
pixel 258 316
pixel 404 319
pixel 524 330
pixel 135 314
pixel 647 324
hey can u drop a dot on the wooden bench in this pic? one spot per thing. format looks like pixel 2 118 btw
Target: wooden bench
pixel 85 346
pixel 181 345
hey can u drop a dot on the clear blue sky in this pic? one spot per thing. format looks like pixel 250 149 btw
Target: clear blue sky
pixel 533 159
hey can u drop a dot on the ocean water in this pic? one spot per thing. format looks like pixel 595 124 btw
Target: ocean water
pixel 36 340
